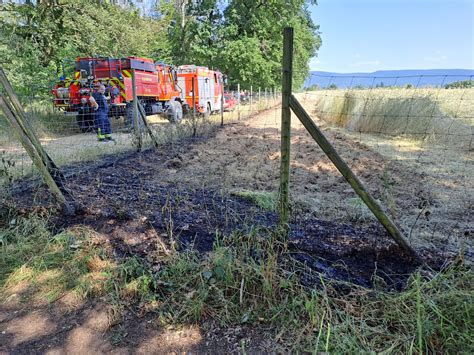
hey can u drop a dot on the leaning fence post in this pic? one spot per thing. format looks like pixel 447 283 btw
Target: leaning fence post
pixel 136 126
pixel 26 140
pixel 25 125
pixel 147 127
pixel 351 178
pixel 285 127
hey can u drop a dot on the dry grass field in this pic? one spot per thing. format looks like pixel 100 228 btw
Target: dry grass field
pixel 431 115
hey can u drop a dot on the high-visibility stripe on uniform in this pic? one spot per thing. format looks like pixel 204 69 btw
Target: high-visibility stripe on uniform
pixel 126 73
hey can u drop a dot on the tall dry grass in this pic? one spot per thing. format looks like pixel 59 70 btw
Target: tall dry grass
pixel 432 115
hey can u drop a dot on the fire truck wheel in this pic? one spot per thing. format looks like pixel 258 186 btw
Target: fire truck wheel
pixel 175 112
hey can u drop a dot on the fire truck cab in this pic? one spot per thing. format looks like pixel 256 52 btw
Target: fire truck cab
pixel 156 86
pixel 208 88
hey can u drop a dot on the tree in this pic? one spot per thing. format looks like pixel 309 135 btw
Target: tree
pixel 243 38
pixel 256 27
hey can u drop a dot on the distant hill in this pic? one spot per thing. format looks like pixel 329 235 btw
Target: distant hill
pixel 417 78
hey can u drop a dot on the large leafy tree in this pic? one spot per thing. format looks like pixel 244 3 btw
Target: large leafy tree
pixel 241 37
pixel 256 27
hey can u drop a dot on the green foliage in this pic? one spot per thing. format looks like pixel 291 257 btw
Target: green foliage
pixel 465 84
pixel 35 37
pixel 241 38
pixel 249 279
pixel 256 27
pixel 313 87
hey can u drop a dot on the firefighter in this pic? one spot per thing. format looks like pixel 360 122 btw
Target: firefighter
pixel 102 121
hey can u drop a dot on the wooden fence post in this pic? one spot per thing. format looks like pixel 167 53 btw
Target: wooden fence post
pixel 238 102
pixel 25 125
pixel 136 125
pixel 286 84
pixel 259 99
pixel 26 141
pixel 222 103
pixel 141 109
pixel 251 98
pixel 194 105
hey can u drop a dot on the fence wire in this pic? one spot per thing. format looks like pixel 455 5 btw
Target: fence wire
pixel 409 139
pixel 70 138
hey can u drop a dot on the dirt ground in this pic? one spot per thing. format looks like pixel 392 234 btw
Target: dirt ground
pixel 183 194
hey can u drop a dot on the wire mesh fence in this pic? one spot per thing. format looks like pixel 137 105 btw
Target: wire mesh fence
pixel 70 137
pixel 410 141
pixel 409 138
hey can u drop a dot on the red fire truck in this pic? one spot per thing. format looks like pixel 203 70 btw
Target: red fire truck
pixel 208 88
pixel 156 86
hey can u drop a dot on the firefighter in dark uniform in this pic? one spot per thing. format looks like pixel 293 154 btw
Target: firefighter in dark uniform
pixel 102 121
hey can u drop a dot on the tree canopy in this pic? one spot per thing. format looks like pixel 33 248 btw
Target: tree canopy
pixel 242 38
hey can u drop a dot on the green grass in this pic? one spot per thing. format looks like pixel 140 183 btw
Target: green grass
pixel 250 279
pixel 38 263
pixel 246 279
pixel 262 199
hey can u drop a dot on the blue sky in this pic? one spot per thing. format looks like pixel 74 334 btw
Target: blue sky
pixel 370 35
